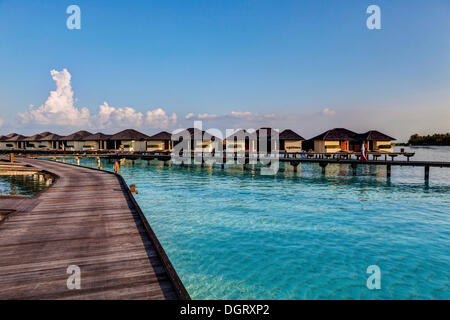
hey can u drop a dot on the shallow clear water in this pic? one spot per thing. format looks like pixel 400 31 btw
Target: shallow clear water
pixel 236 235
pixel 24 185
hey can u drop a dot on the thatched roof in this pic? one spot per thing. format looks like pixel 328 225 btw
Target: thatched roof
pixel 97 137
pixel 77 136
pixel 163 135
pixel 130 134
pixel 247 133
pixel 340 134
pixel 239 133
pixel 288 134
pixel 374 135
pixel 45 134
pixel 201 133
pixel 36 137
pixel 8 136
pixel 17 137
pixel 50 137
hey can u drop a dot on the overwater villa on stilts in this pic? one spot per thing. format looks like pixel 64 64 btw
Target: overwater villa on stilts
pixel 339 145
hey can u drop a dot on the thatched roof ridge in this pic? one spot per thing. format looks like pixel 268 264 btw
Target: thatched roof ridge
pixel 163 135
pixel 130 134
pixel 340 134
pixel 97 137
pixel 374 135
pixel 288 134
pixel 77 136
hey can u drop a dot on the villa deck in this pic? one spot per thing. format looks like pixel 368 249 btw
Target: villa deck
pixel 87 218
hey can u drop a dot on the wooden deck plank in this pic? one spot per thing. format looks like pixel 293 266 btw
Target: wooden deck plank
pixel 86 218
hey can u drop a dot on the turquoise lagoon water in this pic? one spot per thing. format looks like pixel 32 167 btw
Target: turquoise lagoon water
pixel 237 235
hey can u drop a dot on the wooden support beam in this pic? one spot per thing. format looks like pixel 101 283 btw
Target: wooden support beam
pixel 427 172
pixel 388 170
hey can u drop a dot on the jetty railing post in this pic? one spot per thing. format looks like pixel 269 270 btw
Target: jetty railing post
pixel 388 170
pixel 427 173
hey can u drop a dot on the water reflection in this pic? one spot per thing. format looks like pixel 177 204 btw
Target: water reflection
pixel 26 185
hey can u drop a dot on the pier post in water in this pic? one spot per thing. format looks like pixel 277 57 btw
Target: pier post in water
pixel 388 170
pixel 354 167
pixel 323 165
pixel 11 157
pixel 295 165
pixel 427 173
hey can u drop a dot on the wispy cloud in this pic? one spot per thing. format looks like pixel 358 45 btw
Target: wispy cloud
pixel 207 116
pixel 328 112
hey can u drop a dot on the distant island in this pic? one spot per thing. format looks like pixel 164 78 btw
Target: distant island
pixel 438 139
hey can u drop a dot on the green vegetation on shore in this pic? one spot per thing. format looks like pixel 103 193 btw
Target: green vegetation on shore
pixel 437 139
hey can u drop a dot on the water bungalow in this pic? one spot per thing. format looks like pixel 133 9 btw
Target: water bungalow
pixel 130 140
pixel 290 141
pixel 42 141
pixel 331 141
pixel 341 139
pixel 52 140
pixel 12 141
pixel 34 142
pixel 200 141
pixel 334 140
pixel 74 141
pixel 98 141
pixel 240 141
pixel 248 140
pixel 160 142
pixel 376 141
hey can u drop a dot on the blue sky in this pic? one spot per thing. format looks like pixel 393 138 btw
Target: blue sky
pixel 306 65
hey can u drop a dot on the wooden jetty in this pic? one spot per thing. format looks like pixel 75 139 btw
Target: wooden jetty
pixel 88 218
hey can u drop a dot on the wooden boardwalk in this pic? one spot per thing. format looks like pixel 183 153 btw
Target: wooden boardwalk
pixel 87 218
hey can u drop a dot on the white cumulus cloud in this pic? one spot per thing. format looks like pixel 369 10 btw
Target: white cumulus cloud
pixel 58 109
pixel 159 119
pixel 109 116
